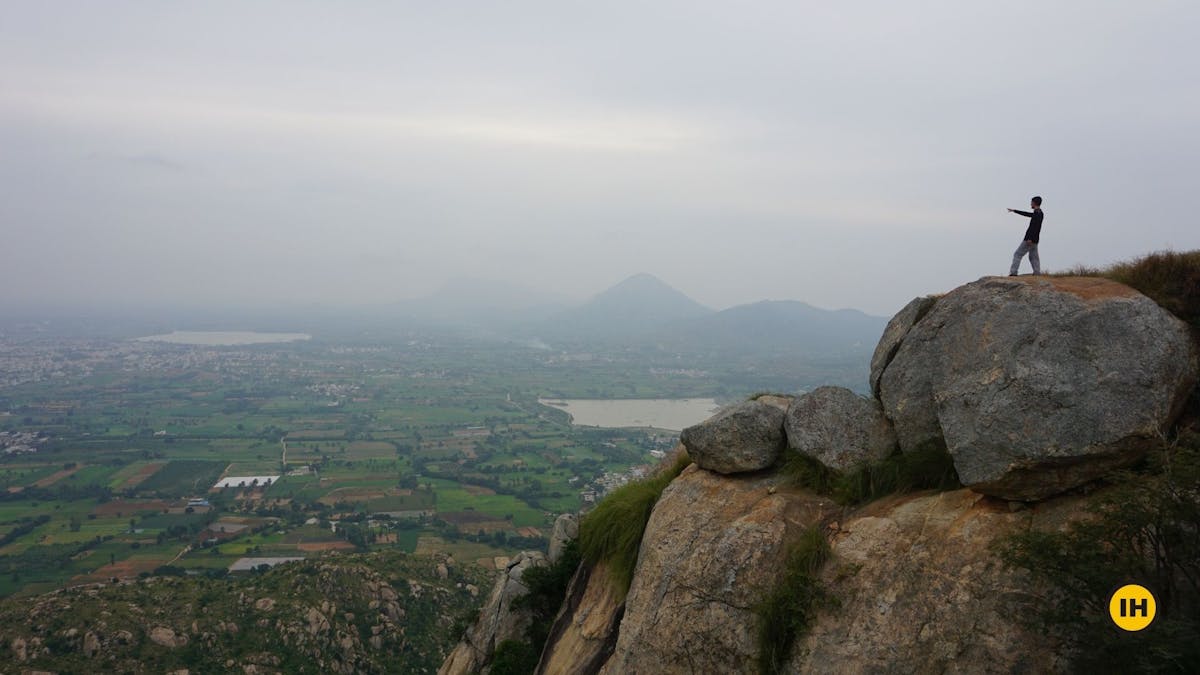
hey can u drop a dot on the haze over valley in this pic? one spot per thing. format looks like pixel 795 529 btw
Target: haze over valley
pixel 595 337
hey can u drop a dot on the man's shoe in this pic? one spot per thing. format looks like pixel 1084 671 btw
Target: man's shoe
pixel 1012 274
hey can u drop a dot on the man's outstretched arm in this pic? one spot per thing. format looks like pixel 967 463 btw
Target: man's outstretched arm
pixel 1027 214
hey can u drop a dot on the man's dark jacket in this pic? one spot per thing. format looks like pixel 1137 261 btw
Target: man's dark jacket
pixel 1035 224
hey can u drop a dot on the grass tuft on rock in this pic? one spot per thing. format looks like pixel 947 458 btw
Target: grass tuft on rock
pixel 928 468
pixel 612 532
pixel 806 472
pixel 759 394
pixel 787 611
pixel 1170 278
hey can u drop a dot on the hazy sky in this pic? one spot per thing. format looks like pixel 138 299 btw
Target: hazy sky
pixel 851 154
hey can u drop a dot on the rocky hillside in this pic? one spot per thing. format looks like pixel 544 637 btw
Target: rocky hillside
pixel 369 613
pixel 832 533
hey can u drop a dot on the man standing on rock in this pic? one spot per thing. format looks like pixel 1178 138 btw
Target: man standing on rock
pixel 1032 234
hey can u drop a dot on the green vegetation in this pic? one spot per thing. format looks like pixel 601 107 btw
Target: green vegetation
pixel 759 394
pixel 1170 278
pixel 612 532
pixel 788 609
pixel 514 657
pixel 181 478
pixel 403 441
pixel 929 468
pixel 426 444
pixel 547 588
pixel 314 616
pixel 1143 530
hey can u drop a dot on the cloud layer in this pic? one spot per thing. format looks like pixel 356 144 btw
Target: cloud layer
pixel 225 153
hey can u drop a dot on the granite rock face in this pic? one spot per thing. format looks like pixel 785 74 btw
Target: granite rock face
pixel 838 428
pixel 1038 384
pixel 713 546
pixel 497 621
pixel 743 437
pixel 894 334
pixel 566 528
pixel 584 633
pixel 920 589
pixel 1034 385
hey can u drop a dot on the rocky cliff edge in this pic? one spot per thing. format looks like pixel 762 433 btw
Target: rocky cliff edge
pixel 1035 387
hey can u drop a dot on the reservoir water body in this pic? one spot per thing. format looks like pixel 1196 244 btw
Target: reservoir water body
pixel 223 338
pixel 674 414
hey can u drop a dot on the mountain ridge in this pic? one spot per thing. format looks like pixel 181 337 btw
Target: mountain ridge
pixel 782 325
pixel 642 310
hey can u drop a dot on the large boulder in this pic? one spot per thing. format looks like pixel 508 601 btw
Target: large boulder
pixel 566 528
pixel 919 588
pixel 838 428
pixel 498 620
pixel 743 437
pixel 1038 384
pixel 714 545
pixel 894 334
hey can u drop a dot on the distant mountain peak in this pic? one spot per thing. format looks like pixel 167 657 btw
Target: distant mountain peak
pixel 636 305
pixel 645 288
pixel 638 282
pixel 642 278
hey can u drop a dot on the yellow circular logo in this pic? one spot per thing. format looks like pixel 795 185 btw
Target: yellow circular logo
pixel 1132 607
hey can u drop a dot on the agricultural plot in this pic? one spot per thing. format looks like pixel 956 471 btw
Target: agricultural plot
pixel 132 476
pixel 180 478
pixel 287 487
pixel 452 497
pixel 405 540
pixel 92 475
pixel 428 448
pixel 20 476
pixel 55 477
pixel 358 451
pixel 255 468
pixel 481 554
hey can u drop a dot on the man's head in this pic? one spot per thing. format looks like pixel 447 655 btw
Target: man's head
pixel 1036 202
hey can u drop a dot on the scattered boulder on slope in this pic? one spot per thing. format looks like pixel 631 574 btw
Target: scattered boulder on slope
pixel 713 546
pixel 838 428
pixel 920 589
pixel 497 621
pixel 743 437
pixel 566 528
pixel 167 637
pixel 1038 384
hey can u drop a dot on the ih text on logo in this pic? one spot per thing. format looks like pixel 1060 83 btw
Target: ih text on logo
pixel 1132 607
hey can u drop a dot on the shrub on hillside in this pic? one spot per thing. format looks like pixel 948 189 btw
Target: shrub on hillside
pixel 788 609
pixel 513 657
pixel 1146 530
pixel 612 532
pixel 547 589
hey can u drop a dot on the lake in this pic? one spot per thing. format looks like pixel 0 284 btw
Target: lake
pixel 221 338
pixel 674 414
